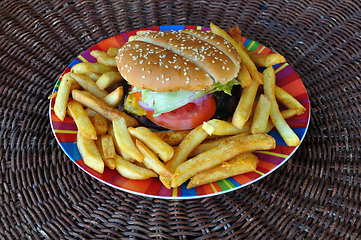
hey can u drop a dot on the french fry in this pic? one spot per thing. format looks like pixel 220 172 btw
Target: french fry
pixel 219 155
pixel 279 122
pixel 261 115
pixel 270 126
pixel 151 161
pixel 236 34
pixel 53 95
pixel 151 140
pixel 266 60
pixel 288 100
pixel 246 127
pixel 220 127
pixel 173 138
pixel 92 76
pixel 112 51
pixel 115 97
pixel 99 106
pixel 108 146
pixel 81 119
pixel 109 162
pixel 100 124
pixel 86 67
pixel 90 153
pixel 288 113
pixel 244 107
pixel 74 85
pixel 90 112
pixel 203 147
pixel 188 144
pixel 89 85
pixel 244 77
pixel 118 150
pixel 98 53
pixel 107 61
pixel 63 96
pixel 125 141
pixel 132 171
pixel 108 78
pixel 256 76
pixel 245 162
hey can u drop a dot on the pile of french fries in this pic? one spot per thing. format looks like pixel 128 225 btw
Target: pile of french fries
pixel 215 150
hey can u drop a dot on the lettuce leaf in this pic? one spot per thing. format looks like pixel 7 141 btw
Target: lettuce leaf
pixel 227 88
pixel 163 102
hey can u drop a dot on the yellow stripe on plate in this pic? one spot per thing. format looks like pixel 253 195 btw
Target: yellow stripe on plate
pixel 82 58
pixel 227 183
pixel 175 192
pixel 199 27
pixel 282 67
pixel 65 131
pixel 250 45
pixel 273 154
pixel 213 187
pixel 260 173
pixel 261 49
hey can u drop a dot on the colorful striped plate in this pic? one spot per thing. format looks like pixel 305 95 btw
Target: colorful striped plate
pixel 65 132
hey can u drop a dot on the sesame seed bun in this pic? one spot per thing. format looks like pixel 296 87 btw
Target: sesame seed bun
pixel 178 60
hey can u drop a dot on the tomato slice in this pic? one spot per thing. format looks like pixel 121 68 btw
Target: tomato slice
pixel 187 117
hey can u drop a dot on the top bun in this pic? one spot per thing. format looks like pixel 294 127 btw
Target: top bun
pixel 178 60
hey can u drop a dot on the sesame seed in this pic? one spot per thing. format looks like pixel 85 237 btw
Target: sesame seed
pixel 143 76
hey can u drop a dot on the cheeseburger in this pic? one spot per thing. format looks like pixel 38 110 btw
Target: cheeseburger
pixel 175 75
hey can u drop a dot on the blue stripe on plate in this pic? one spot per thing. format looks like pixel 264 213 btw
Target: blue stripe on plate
pixel 246 42
pixel 235 183
pixel 71 150
pixel 76 61
pixel 279 140
pixel 187 192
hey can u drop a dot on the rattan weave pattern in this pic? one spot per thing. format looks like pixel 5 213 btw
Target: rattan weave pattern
pixel 315 195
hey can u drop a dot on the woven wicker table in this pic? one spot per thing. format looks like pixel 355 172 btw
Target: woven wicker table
pixel 315 195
